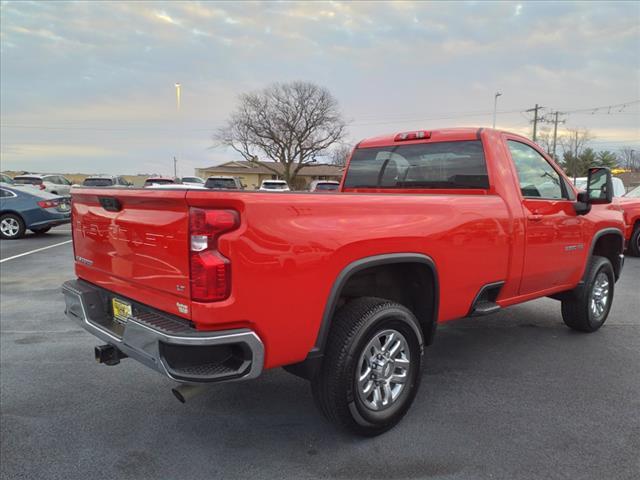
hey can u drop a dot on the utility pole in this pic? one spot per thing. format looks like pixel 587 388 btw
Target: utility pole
pixel 575 159
pixel 555 122
pixel 535 119
pixel 555 133
pixel 178 116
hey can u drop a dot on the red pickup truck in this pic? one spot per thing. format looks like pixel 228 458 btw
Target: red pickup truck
pixel 344 289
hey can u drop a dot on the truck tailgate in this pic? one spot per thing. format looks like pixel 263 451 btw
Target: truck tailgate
pixel 134 243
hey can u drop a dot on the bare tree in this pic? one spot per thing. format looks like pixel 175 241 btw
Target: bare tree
pixel 340 154
pixel 289 123
pixel 545 140
pixel 575 140
pixel 628 158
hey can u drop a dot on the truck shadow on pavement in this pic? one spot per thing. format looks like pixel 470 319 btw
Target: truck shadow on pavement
pixel 484 378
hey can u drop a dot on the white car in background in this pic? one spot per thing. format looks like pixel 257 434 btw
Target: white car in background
pixel 274 186
pixel 56 184
pixel 618 186
pixel 324 186
pixel 192 181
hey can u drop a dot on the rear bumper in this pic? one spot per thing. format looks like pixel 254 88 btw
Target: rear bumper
pixel 50 223
pixel 163 342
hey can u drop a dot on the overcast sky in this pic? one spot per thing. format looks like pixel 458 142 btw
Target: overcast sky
pixel 89 87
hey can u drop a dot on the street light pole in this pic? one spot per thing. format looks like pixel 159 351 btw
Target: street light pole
pixel 175 160
pixel 495 107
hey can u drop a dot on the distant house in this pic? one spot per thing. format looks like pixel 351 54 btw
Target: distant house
pixel 252 175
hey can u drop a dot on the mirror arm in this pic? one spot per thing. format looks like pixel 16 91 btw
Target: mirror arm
pixel 582 205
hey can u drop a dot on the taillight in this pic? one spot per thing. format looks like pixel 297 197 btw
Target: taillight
pixel 210 270
pixel 49 203
pixel 41 186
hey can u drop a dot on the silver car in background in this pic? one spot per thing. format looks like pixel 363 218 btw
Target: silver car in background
pixel 56 184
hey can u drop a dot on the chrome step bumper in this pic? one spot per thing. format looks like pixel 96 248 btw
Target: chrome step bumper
pixel 165 343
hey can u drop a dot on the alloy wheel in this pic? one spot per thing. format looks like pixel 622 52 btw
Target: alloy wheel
pixel 383 370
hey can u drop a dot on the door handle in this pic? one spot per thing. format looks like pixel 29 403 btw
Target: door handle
pixel 536 217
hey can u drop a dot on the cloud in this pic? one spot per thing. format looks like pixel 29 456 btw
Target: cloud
pixel 164 17
pixel 110 67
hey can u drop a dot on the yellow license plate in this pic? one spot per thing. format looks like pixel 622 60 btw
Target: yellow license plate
pixel 121 310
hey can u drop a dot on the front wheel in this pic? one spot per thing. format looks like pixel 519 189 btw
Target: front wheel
pixel 372 366
pixel 587 307
pixel 634 243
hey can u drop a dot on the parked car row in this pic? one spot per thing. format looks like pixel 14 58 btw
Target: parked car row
pixel 23 208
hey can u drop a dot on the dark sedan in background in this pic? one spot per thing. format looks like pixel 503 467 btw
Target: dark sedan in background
pixel 24 208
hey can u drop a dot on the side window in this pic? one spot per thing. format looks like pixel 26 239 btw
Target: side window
pixel 64 181
pixel 6 193
pixel 537 178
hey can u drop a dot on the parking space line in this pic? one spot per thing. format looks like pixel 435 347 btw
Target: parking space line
pixel 35 251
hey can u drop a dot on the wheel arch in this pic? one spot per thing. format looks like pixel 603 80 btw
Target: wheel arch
pixel 424 307
pixel 13 212
pixel 609 243
pixel 427 276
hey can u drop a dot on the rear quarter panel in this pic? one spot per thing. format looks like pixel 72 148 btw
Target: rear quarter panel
pixel 290 249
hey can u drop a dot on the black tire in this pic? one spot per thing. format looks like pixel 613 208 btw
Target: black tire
pixel 40 231
pixel 577 307
pixel 335 388
pixel 634 243
pixel 11 220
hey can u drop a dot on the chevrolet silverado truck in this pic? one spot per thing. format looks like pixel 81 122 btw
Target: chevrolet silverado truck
pixel 343 289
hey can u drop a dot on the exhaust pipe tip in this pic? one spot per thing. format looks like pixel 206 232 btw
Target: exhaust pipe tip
pixel 185 392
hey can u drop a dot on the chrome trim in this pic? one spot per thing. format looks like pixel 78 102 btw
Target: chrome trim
pixel 11 194
pixel 141 342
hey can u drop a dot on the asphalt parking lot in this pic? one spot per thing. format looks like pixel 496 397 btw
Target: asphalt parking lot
pixel 514 395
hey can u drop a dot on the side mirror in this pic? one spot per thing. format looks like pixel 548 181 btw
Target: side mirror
pixel 599 186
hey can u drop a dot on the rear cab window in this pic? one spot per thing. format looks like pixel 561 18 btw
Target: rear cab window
pixel 438 165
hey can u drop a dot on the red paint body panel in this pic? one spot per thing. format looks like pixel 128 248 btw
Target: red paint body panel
pixel 141 251
pixel 631 210
pixel 291 247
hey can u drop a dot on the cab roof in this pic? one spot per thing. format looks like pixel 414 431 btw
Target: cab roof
pixel 424 136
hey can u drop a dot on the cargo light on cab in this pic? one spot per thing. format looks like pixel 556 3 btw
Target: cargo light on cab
pixel 417 135
pixel 210 270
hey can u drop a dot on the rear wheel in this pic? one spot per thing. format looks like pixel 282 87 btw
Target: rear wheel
pixel 372 366
pixel 11 226
pixel 587 307
pixel 40 231
pixel 634 243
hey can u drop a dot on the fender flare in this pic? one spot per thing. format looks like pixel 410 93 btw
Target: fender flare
pixel 358 265
pixel 600 233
